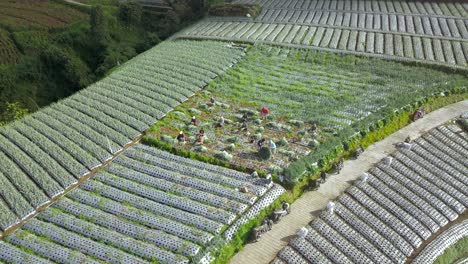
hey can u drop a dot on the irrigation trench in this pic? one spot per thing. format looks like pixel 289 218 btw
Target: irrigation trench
pixel 306 208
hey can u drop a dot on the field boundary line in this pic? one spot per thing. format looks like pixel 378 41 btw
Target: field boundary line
pixel 299 46
pixel 461 39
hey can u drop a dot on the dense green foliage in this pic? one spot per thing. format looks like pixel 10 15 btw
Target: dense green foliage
pixel 56 59
pixel 454 253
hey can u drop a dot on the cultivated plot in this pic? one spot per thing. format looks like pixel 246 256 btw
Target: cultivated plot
pixel 46 153
pixel 147 206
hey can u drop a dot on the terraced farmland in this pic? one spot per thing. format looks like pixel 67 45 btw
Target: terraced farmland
pixel 397 205
pixel 48 152
pixel 332 90
pixel 446 240
pixel 430 32
pixel 148 205
pixel 29 14
pixel 447 8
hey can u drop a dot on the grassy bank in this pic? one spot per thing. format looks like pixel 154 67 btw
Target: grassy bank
pixel 454 253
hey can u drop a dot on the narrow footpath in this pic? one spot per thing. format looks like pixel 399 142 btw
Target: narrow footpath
pixel 76 3
pixel 306 208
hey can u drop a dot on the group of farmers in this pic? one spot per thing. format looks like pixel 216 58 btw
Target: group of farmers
pixel 264 112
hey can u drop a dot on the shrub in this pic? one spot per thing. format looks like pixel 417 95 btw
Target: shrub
pixel 297 123
pixel 314 143
pixel 194 111
pixel 264 153
pixel 247 111
pixel 289 154
pixel 273 125
pixel 168 139
pixel 225 106
pixel 233 139
pixel 230 147
pixel 223 155
pixel 275 169
pixel 258 136
pixel 179 114
pixel 199 149
pixel 283 142
pixel 191 139
pixel 464 124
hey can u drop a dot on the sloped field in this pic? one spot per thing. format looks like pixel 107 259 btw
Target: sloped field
pixel 147 205
pixel 49 151
pixel 406 199
pixel 430 32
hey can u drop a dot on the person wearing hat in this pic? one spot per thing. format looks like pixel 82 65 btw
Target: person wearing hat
pixel 221 122
pixel 181 137
pixel 194 121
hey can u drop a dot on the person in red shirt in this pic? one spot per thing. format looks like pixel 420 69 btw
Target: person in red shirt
pixel 265 112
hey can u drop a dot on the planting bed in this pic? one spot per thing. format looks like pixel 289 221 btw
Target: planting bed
pixel 342 94
pixel 136 211
pixel 402 202
pixel 241 145
pixel 30 14
pixel 437 32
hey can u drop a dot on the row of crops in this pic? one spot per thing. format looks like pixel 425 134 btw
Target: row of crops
pixel 147 206
pixel 439 8
pixel 46 153
pixel 411 24
pixel 450 52
pixel 333 90
pixel 395 209
pixel 19 15
pixel 430 32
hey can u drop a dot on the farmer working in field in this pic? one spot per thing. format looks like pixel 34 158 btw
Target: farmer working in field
pixel 193 121
pixel 272 146
pixel 221 122
pixel 181 137
pixel 261 142
pixel 265 112
pixel 244 126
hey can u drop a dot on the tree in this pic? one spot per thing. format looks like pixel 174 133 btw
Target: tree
pixel 130 13
pixel 14 111
pixel 67 69
pixel 8 77
pixel 99 34
pixel 169 24
pixel 183 9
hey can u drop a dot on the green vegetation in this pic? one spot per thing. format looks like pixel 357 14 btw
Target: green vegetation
pixel 237 137
pixel 8 51
pixel 454 253
pixel 46 56
pixel 343 94
pixel 396 122
pixel 352 101
pixel 231 10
